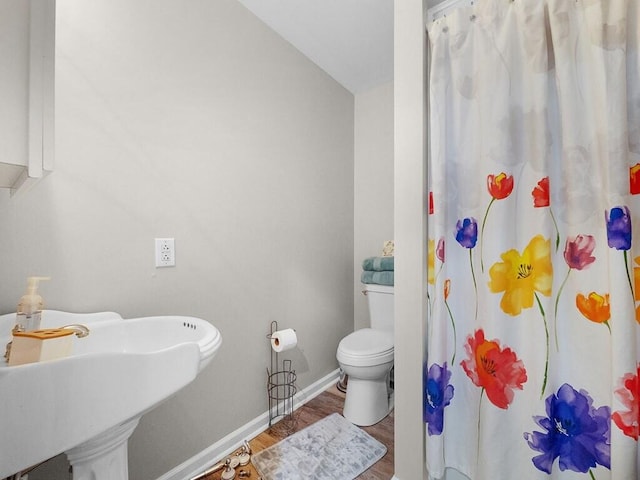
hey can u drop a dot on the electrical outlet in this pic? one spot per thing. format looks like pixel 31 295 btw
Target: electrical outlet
pixel 165 252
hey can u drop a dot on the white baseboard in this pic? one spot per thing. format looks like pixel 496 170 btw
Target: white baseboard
pixel 223 447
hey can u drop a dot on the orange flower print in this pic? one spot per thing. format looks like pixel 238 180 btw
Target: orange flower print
pixel 497 370
pixel 447 290
pixel 595 307
pixel 634 179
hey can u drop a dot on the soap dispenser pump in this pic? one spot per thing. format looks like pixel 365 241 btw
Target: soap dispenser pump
pixel 29 311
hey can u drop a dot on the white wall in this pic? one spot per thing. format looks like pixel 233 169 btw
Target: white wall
pixel 410 232
pixel 14 80
pixel 410 147
pixel 191 119
pixel 373 184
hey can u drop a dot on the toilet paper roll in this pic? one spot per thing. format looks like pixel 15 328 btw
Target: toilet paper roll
pixel 284 340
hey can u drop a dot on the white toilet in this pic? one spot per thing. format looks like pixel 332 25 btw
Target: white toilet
pixel 366 356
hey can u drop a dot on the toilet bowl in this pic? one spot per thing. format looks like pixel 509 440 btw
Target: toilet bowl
pixel 366 356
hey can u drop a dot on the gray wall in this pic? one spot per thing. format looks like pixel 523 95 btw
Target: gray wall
pixel 373 184
pixel 191 119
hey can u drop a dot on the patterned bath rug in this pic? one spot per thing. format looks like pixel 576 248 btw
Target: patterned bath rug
pixel 330 449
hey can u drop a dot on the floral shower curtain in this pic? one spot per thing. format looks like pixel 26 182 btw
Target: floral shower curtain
pixel 533 355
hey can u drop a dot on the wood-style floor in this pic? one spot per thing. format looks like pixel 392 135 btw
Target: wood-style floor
pixel 328 402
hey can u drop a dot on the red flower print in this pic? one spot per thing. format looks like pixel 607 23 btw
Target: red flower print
pixel 498 371
pixel 634 179
pixel 541 198
pixel 500 186
pixel 430 203
pixel 629 395
pixel 541 193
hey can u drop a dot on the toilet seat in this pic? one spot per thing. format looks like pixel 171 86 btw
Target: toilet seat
pixel 366 347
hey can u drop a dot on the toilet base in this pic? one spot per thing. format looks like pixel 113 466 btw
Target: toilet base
pixel 367 401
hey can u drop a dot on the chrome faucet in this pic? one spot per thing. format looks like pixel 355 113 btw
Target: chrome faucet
pixel 80 330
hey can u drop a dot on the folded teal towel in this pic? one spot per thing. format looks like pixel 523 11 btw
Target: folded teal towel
pixel 378 264
pixel 379 278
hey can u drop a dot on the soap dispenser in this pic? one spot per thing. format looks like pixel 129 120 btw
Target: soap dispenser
pixel 29 311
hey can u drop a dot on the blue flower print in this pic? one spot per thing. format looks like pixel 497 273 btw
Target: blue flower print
pixel 467 232
pixel 577 434
pixel 467 236
pixel 438 394
pixel 619 228
pixel 619 236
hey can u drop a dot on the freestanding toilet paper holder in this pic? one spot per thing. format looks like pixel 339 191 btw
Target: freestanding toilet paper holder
pixel 281 388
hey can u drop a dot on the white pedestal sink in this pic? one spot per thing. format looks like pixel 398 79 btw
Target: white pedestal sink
pixel 89 403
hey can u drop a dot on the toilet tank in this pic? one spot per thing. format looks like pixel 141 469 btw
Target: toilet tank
pixel 380 300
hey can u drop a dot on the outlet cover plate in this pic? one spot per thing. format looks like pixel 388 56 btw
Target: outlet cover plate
pixel 165 252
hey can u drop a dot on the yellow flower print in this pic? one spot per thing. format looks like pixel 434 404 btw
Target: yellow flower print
pixel 520 276
pixel 431 262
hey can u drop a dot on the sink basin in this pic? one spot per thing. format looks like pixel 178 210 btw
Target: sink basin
pixel 88 404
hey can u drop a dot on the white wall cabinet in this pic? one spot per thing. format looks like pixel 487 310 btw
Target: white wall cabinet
pixel 27 45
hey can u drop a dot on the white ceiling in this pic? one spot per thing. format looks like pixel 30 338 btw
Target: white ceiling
pixel 351 40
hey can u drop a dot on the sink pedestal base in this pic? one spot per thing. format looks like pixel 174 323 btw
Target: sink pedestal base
pixel 103 457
